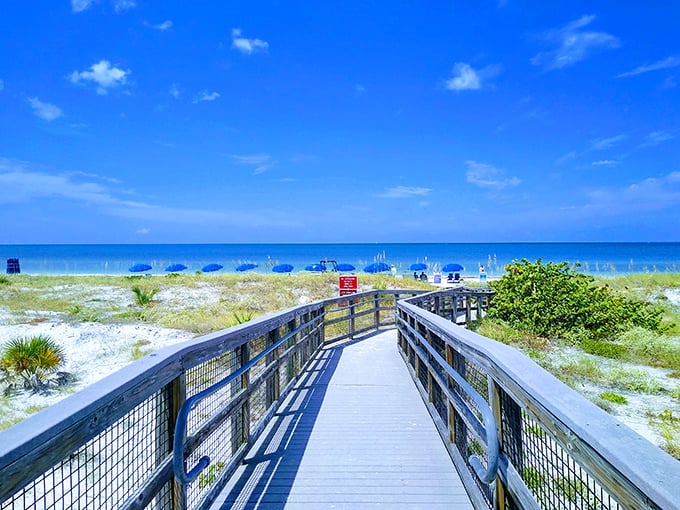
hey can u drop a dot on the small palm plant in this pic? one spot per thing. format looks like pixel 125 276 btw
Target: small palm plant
pixel 32 359
pixel 144 297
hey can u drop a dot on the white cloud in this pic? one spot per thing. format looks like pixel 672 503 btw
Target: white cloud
pixel 206 96
pixel 404 192
pixel 661 64
pixel 655 138
pixel 123 5
pixel 23 184
pixel 247 46
pixel 651 194
pixel 359 89
pixel 174 91
pixel 488 176
pixel 605 162
pixel 46 111
pixel 2 84
pixel 567 157
pixel 600 144
pixel 101 73
pixel 166 25
pixel 143 231
pixel 464 77
pixel 81 5
pixel 261 162
pixel 573 44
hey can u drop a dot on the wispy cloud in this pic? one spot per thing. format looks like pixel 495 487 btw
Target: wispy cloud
pixel 174 91
pixel 600 144
pixel 488 176
pixel 2 85
pixel 359 89
pixel 655 138
pixel 247 46
pixel 605 162
pixel 651 194
pixel 103 74
pixel 81 5
pixel 22 183
pixel 166 25
pixel 260 162
pixel 45 111
pixel 573 44
pixel 206 96
pixel 404 192
pixel 567 157
pixel 464 77
pixel 657 66
pixel 123 5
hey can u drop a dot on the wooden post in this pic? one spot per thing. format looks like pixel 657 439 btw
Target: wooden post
pixel 376 311
pixel 169 400
pixel 273 389
pixel 243 354
pixel 350 321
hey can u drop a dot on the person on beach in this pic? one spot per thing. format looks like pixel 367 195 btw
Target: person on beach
pixel 415 275
pixel 482 273
pixel 423 277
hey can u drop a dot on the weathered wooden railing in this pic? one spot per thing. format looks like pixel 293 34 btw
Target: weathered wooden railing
pixel 556 450
pixel 111 444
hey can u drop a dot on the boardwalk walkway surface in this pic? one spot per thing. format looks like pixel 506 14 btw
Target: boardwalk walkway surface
pixel 354 434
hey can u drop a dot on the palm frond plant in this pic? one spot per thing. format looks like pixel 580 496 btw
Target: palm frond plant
pixel 31 359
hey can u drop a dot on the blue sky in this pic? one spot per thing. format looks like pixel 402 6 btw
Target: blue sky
pixel 139 121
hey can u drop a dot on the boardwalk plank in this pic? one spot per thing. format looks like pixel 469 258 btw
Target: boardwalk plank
pixel 354 434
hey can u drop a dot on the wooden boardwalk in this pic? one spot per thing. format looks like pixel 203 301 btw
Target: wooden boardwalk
pixel 353 434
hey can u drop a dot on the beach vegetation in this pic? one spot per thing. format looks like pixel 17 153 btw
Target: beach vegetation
pixel 30 360
pixel 613 397
pixel 668 427
pixel 140 349
pixel 554 301
pixel 4 280
pixel 144 297
pixel 603 348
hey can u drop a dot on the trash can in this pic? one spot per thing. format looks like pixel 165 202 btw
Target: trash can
pixel 13 266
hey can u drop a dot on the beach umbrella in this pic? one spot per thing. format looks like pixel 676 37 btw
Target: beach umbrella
pixel 376 267
pixel 139 268
pixel 211 267
pixel 246 267
pixel 316 268
pixel 418 266
pixel 345 267
pixel 174 268
pixel 282 268
pixel 452 268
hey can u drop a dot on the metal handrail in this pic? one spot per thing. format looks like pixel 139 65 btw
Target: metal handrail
pixel 488 474
pixel 190 403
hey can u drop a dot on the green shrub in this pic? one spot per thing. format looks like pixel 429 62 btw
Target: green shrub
pixel 633 379
pixel 31 359
pixel 552 300
pixel 604 349
pixel 613 397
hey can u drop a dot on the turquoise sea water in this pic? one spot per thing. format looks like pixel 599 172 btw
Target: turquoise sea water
pixel 607 259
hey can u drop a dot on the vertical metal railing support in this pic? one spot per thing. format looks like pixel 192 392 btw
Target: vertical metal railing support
pixel 351 310
pixel 495 404
pixel 376 310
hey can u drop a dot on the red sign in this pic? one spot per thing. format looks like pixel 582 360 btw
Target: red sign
pixel 348 285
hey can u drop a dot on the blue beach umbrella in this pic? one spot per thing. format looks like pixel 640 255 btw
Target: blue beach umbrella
pixel 452 268
pixel 345 267
pixel 139 268
pixel 175 268
pixel 315 268
pixel 282 268
pixel 246 267
pixel 211 267
pixel 376 267
pixel 418 266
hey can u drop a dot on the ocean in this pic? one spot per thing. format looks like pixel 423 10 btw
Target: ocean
pixel 604 259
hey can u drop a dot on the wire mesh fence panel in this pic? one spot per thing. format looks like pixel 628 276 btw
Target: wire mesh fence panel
pixel 107 469
pixel 206 374
pixel 218 446
pixel 258 405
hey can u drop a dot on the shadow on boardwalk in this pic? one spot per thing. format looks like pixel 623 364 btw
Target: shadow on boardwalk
pixel 354 433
